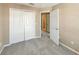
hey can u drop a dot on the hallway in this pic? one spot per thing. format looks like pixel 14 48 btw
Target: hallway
pixel 39 46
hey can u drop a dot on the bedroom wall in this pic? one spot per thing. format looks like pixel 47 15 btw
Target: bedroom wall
pixel 6 19
pixel 1 26
pixel 69 24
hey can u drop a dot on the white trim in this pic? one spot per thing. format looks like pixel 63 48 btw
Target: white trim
pixel 7 45
pixel 40 25
pixel 2 49
pixel 46 11
pixel 69 48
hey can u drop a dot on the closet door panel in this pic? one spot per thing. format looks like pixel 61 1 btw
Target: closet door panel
pixel 17 26
pixel 29 25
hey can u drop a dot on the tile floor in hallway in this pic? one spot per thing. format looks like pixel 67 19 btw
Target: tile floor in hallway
pixel 38 46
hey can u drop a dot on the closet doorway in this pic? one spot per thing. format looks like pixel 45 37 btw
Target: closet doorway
pixel 21 25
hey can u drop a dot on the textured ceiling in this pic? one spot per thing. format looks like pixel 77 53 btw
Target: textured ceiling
pixel 41 5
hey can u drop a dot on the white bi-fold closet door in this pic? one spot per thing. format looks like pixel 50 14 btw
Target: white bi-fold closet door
pixel 22 25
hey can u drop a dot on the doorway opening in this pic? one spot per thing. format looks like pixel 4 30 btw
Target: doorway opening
pixel 50 25
pixel 45 24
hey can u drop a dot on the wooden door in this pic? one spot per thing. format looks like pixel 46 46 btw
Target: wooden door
pixel 43 22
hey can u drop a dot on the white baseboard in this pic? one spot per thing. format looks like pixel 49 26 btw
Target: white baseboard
pixel 69 48
pixel 2 49
pixel 38 36
pixel 33 37
pixel 7 45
